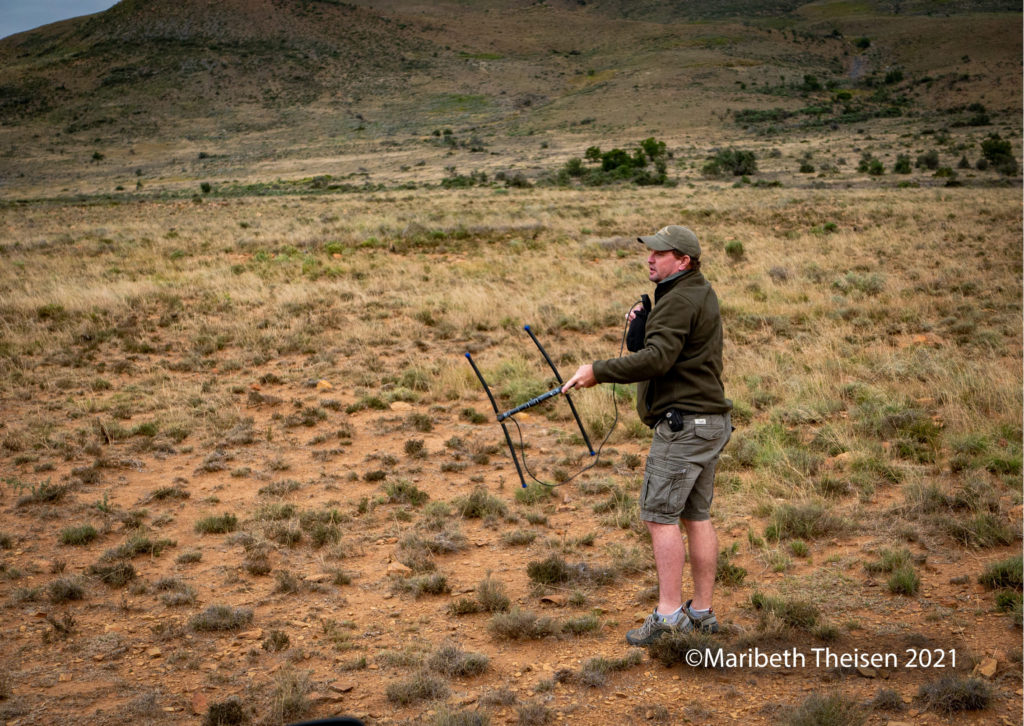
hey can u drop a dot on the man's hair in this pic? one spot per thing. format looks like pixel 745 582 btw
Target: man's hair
pixel 694 263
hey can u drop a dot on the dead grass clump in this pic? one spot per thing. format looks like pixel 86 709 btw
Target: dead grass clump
pixel 220 617
pixel 479 504
pixel 809 520
pixel 449 660
pixel 175 592
pixel 533 713
pixel 795 613
pixel 522 625
pixel 276 640
pixel 445 717
pixel 136 545
pixel 673 648
pixel 421 686
pixel 65 589
pixel 164 493
pixel 287 583
pixel 117 574
pixel 826 710
pixel 951 694
pixel 291 695
pixel 555 571
pixel 887 699
pixel 490 593
pixel 518 537
pixel 405 492
pixel 594 672
pixel 433 584
pixel 226 713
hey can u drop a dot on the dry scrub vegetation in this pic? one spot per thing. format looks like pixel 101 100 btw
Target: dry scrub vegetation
pixel 248 475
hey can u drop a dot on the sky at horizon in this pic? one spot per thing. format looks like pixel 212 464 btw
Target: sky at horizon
pixel 17 16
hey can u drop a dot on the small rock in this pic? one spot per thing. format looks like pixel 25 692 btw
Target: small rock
pixel 64 677
pixel 154 652
pixel 398 569
pixel 200 703
pixel 324 386
pixel 342 687
pixel 401 406
pixel 987 667
pixel 867 672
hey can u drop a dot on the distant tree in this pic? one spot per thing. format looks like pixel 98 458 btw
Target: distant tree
pixel 902 165
pixel 928 160
pixel 734 161
pixel 999 152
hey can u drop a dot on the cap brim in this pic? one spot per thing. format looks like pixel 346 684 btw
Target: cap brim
pixel 654 243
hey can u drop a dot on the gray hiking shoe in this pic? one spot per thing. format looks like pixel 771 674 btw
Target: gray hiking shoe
pixel 654 627
pixel 703 623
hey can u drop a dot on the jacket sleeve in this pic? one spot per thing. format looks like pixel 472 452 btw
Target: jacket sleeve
pixel 668 326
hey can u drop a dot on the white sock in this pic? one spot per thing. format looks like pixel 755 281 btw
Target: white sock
pixel 673 617
pixel 699 613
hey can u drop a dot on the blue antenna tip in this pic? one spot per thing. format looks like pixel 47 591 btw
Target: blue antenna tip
pixel 467 354
pixel 526 327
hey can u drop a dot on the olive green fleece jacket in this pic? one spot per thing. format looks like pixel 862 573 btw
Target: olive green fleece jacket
pixel 680 365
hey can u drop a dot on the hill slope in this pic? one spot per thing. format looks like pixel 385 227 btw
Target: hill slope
pixel 273 79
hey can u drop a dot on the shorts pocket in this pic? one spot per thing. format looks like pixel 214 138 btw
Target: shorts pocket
pixel 664 491
pixel 708 432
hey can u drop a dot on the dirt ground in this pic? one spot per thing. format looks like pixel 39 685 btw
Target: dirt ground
pixel 130 658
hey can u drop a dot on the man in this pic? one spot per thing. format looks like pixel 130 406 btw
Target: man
pixel 680 395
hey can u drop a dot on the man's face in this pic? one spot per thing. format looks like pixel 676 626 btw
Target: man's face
pixel 663 264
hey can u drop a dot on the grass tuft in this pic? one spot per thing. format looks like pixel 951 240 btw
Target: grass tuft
pixel 217 524
pixel 421 686
pixel 833 709
pixel 220 617
pixel 952 694
pixel 1008 573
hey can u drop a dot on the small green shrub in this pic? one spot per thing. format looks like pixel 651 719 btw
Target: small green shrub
pixel 480 504
pixel 217 524
pixel 82 534
pixel 1007 573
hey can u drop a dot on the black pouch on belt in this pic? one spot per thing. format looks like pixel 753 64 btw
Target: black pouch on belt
pixel 675 419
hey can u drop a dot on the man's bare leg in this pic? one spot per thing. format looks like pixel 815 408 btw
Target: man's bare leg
pixel 669 557
pixel 703 544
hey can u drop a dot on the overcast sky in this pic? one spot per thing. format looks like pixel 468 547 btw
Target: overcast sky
pixel 19 15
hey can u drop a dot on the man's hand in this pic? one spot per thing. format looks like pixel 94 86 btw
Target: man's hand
pixel 582 378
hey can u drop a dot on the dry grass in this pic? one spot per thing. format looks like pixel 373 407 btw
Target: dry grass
pixel 264 357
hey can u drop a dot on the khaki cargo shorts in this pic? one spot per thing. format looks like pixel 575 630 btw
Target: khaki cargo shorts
pixel 680 474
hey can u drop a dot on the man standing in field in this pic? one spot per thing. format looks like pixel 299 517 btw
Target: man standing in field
pixel 680 395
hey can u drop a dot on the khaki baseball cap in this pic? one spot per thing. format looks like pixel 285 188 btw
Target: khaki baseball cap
pixel 674 237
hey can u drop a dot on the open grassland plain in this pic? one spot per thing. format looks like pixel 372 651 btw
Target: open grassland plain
pixel 248 475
